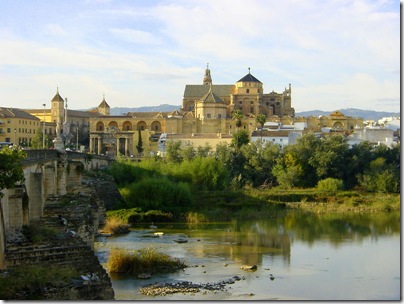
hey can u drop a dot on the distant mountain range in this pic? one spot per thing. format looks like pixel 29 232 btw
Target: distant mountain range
pixel 365 114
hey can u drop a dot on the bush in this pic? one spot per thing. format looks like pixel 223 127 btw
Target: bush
pixel 115 225
pixel 330 185
pixel 158 194
pixel 143 260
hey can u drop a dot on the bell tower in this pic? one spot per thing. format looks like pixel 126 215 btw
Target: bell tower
pixel 57 107
pixel 207 79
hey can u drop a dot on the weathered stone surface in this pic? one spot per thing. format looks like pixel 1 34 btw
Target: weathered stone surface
pixel 71 246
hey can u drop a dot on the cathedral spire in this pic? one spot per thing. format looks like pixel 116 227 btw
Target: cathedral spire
pixel 207 79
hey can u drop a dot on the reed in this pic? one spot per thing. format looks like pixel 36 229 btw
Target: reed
pixel 115 225
pixel 147 259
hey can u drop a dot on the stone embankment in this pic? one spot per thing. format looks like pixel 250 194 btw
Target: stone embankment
pixel 69 245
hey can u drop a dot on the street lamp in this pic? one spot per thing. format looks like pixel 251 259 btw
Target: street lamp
pixel 77 137
pixel 15 136
pixel 43 131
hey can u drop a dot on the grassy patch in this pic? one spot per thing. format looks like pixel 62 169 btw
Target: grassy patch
pixel 37 234
pixel 144 260
pixel 30 281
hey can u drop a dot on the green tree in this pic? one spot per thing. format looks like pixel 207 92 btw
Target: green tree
pixel 261 119
pixel 173 151
pixel 240 138
pixel 260 159
pixel 37 141
pixel 139 145
pixel 11 171
pixel 296 163
pixel 238 116
pixel 330 157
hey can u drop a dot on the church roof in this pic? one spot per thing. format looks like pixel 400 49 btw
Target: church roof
pixel 57 96
pixel 103 104
pixel 211 97
pixel 249 78
pixel 200 90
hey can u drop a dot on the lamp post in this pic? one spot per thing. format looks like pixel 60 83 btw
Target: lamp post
pixel 77 137
pixel 15 136
pixel 43 131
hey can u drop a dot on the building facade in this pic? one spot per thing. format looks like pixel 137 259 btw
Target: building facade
pixel 206 109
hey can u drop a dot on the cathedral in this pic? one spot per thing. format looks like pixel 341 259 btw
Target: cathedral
pixel 205 116
pixel 206 109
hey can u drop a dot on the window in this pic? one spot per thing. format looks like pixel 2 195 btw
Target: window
pixel 248 91
pixel 219 116
pixel 208 116
pixel 252 110
pixel 8 130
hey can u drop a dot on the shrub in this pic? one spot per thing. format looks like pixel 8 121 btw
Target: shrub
pixel 37 234
pixel 330 185
pixel 158 194
pixel 144 260
pixel 115 225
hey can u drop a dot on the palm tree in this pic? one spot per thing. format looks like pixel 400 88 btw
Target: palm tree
pixel 261 119
pixel 237 116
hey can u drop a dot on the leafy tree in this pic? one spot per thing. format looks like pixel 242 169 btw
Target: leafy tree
pixel 296 165
pixel 357 161
pixel 380 177
pixel 173 151
pixel 11 171
pixel 139 145
pixel 260 159
pixel 203 151
pixel 240 138
pixel 188 153
pixel 223 153
pixel 330 157
pixel 37 140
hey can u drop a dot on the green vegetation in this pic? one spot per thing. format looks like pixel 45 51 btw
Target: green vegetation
pixel 32 281
pixel 258 178
pixel 37 233
pixel 11 172
pixel 145 260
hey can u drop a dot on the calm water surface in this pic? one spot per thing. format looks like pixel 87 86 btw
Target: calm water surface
pixel 316 257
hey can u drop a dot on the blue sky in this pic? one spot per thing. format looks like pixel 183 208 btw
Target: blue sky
pixel 335 53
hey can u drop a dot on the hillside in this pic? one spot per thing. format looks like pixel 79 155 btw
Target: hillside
pixel 365 114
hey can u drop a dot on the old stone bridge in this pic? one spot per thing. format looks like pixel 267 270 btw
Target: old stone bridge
pixel 48 173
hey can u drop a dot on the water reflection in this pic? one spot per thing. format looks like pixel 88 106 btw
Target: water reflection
pixel 304 251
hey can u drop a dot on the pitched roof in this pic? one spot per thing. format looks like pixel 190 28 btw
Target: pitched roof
pixel 199 90
pixel 249 78
pixel 57 96
pixel 16 113
pixel 103 104
pixel 211 97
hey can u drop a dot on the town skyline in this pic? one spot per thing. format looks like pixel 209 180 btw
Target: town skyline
pixel 338 54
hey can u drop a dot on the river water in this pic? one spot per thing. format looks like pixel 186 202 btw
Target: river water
pixel 298 257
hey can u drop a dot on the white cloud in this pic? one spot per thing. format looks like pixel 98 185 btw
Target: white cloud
pixel 333 52
pixel 135 36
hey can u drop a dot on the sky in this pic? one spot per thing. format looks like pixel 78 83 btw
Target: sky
pixel 336 54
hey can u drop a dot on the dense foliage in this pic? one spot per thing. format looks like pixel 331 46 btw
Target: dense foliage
pixel 11 171
pixel 328 163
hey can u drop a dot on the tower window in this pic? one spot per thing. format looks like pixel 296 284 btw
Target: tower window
pixel 248 91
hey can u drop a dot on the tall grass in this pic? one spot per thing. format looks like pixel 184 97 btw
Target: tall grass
pixel 147 259
pixel 115 225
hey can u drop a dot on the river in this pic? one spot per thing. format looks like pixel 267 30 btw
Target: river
pixel 298 257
